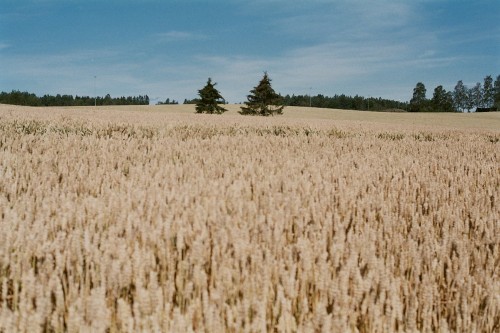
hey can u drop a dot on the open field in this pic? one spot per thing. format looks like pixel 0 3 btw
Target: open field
pixel 156 219
pixel 170 114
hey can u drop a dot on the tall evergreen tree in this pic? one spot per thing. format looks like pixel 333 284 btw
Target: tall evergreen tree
pixel 263 100
pixel 210 98
pixel 418 101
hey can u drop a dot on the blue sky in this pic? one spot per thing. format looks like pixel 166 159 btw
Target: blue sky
pixel 379 48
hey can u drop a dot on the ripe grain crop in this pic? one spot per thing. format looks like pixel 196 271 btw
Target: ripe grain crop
pixel 139 221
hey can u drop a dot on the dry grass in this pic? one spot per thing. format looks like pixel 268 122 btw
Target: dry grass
pixel 160 220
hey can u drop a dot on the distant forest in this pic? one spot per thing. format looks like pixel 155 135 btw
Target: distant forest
pixel 16 97
pixel 337 102
pixel 344 102
pixel 481 97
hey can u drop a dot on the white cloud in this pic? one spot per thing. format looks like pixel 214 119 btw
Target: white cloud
pixel 341 19
pixel 329 68
pixel 371 48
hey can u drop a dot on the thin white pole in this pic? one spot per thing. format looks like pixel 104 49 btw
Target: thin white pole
pixel 95 93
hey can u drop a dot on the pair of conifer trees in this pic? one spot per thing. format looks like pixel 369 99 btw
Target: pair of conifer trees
pixel 262 101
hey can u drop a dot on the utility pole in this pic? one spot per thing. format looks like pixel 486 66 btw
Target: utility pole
pixel 95 93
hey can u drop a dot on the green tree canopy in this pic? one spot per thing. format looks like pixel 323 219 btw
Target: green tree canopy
pixel 496 92
pixel 476 96
pixel 210 98
pixel 263 100
pixel 488 92
pixel 418 101
pixel 24 98
pixel 442 100
pixel 460 96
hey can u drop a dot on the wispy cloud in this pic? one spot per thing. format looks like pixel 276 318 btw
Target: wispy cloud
pixel 329 68
pixel 341 19
pixel 73 73
pixel 177 36
pixel 367 47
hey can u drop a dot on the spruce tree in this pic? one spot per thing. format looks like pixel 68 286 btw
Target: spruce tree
pixel 210 98
pixel 263 100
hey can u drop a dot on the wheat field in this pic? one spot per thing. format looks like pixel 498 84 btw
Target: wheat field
pixel 156 219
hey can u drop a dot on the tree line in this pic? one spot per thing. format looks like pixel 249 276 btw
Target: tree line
pixel 168 102
pixel 16 97
pixel 481 97
pixel 319 101
pixel 263 100
pixel 344 102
